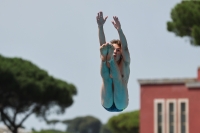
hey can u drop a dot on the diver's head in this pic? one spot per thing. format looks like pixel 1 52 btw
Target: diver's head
pixel 117 51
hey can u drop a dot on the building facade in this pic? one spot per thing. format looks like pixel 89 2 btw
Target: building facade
pixel 170 105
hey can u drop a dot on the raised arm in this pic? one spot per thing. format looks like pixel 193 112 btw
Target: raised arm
pixel 125 51
pixel 100 22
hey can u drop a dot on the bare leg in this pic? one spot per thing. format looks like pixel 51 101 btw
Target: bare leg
pixel 106 90
pixel 120 88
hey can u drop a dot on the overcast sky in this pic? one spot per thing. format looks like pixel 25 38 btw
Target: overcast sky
pixel 61 37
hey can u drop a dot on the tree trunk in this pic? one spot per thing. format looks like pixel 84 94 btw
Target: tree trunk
pixel 15 130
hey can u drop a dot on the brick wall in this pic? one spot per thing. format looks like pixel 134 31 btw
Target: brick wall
pixel 150 92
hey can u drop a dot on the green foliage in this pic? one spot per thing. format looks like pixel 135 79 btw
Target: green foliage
pixel 87 124
pixel 124 123
pixel 53 122
pixel 26 89
pixel 49 131
pixel 105 129
pixel 186 21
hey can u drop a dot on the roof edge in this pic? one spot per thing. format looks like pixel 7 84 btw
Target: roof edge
pixel 193 85
pixel 166 81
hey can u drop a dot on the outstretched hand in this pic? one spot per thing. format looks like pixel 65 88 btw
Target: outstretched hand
pixel 100 19
pixel 116 23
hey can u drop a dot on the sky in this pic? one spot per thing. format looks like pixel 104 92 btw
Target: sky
pixel 61 37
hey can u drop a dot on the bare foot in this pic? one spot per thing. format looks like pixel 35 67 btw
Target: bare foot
pixel 104 52
pixel 110 52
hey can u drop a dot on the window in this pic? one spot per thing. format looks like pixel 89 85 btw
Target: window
pixel 171 115
pixel 159 116
pixel 183 116
pixel 171 118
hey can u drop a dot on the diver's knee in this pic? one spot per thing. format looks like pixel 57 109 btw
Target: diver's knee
pixel 107 102
pixel 121 105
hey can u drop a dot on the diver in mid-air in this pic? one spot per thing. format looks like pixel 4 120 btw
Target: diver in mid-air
pixel 115 67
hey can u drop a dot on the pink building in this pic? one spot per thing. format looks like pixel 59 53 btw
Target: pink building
pixel 170 105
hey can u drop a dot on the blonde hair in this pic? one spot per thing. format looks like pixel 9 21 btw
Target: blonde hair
pixel 116 41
